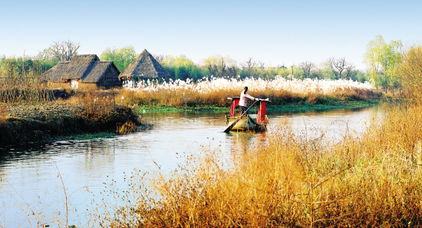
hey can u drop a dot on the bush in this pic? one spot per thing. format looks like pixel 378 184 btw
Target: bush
pixel 410 72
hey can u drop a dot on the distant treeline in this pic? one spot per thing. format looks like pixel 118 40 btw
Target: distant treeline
pixel 182 68
pixel 22 66
pixel 381 57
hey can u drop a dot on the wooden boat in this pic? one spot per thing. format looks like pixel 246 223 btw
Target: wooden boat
pixel 248 122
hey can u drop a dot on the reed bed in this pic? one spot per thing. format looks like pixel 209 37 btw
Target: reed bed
pixel 215 91
pixel 24 89
pixel 370 181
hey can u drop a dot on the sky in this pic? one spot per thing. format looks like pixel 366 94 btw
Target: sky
pixel 274 32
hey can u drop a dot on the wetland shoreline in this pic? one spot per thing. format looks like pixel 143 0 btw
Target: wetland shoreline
pixel 279 108
pixel 27 125
pixel 34 124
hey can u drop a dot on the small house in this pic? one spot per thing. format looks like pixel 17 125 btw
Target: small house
pixel 85 69
pixel 145 67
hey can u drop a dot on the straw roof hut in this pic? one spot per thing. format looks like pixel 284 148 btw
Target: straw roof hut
pixel 145 67
pixel 85 69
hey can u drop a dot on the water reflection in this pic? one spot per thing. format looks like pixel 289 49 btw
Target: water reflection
pixel 241 142
pixel 29 177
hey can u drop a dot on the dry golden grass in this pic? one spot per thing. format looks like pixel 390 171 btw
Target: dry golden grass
pixel 18 90
pixel 100 106
pixel 67 86
pixel 373 181
pixel 410 74
pixel 216 90
pixel 95 103
pixel 127 128
pixel 190 97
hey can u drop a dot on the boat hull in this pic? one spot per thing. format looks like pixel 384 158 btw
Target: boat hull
pixel 246 123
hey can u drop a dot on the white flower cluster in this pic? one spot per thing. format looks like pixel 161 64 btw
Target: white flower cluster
pixel 207 86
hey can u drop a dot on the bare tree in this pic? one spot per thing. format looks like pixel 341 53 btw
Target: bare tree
pixel 340 67
pixel 250 64
pixel 61 50
pixel 307 68
pixel 349 71
pixel 249 68
pixel 216 66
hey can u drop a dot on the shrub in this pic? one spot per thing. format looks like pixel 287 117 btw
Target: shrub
pixel 410 72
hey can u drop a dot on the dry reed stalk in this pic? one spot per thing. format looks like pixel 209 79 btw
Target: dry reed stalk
pixel 215 92
pixel 26 89
pixel 127 128
pixel 95 103
pixel 371 181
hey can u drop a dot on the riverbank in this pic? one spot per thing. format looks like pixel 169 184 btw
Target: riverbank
pixel 271 109
pixel 41 123
pixel 32 124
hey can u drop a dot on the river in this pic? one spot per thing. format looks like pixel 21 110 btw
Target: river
pixel 31 188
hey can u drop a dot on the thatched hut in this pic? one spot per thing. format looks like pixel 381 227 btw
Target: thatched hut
pixel 145 67
pixel 86 69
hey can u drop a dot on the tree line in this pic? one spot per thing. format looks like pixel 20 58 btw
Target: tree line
pixel 382 59
pixel 35 66
pixel 183 68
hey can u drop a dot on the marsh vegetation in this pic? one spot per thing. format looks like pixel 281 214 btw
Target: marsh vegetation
pixel 371 180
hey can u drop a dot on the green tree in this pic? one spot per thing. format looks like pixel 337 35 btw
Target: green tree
pixel 221 67
pixel 307 69
pixel 182 68
pixel 281 71
pixel 325 71
pixel 383 60
pixel 25 66
pixel 121 57
pixel 9 67
pixel 361 76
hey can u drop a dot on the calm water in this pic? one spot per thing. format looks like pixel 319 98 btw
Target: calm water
pixel 30 185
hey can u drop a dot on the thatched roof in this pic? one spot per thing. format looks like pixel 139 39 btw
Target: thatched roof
pixel 87 69
pixel 145 67
pixel 78 68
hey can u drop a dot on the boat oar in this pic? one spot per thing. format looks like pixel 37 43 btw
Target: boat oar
pixel 238 118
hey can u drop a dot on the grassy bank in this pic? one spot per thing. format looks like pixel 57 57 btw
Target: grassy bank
pixel 215 92
pixel 33 124
pixel 271 109
pixel 287 96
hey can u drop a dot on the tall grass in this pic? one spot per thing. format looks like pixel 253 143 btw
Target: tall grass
pixel 24 89
pixel 411 74
pixel 100 106
pixel 96 104
pixel 374 180
pixel 216 90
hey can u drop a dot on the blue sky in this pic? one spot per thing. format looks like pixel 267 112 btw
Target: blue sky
pixel 275 32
